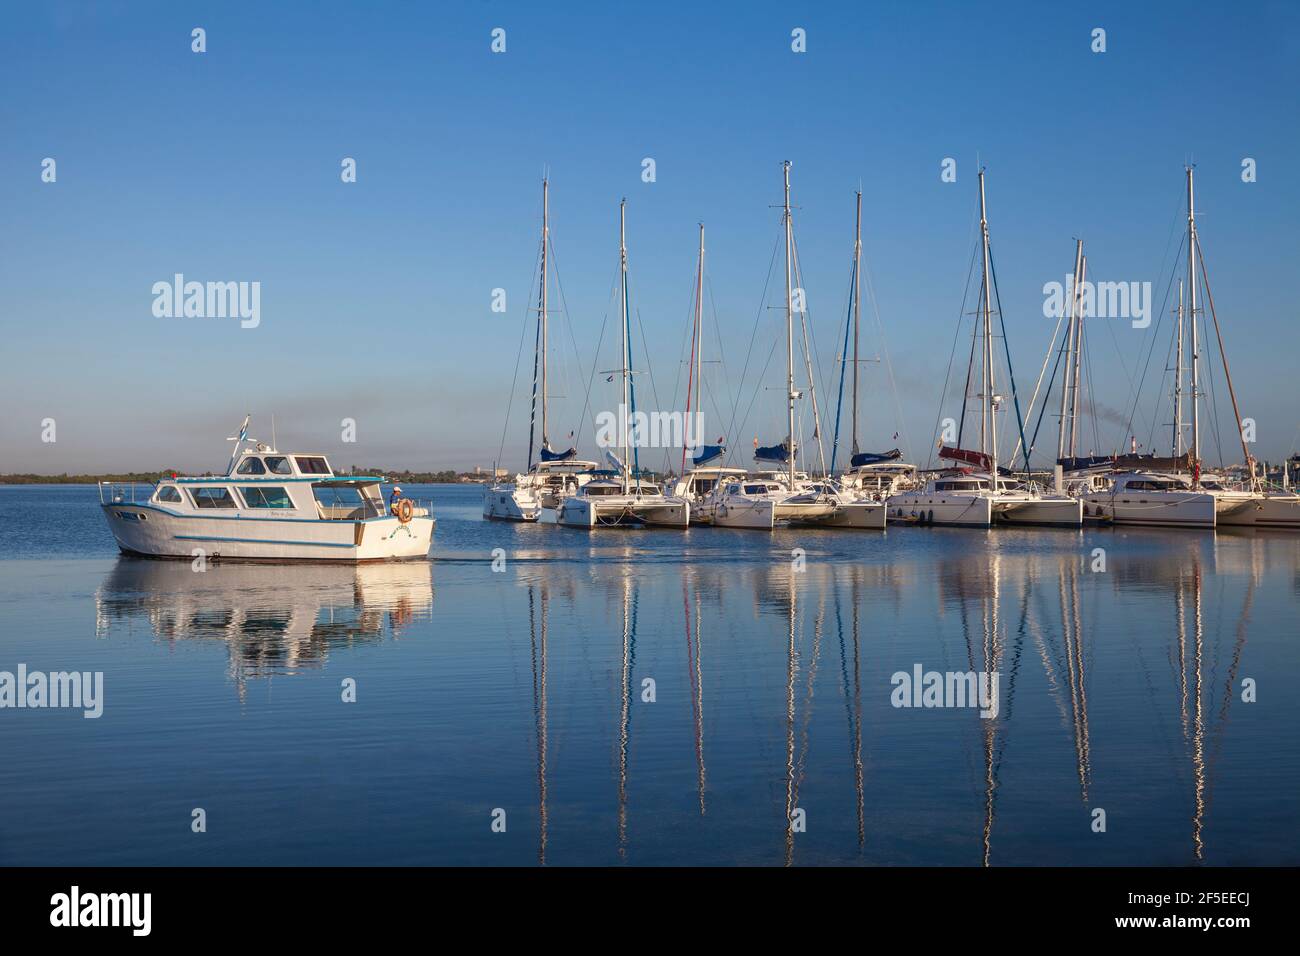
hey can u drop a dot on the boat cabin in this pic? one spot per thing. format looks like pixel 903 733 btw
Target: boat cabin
pixel 273 485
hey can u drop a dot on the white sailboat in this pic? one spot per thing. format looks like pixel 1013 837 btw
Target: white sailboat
pixel 1175 491
pixel 554 475
pixel 763 501
pixel 984 495
pixel 628 499
pixel 701 472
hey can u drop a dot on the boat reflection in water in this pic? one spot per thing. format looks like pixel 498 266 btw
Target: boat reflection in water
pixel 1129 649
pixel 273 620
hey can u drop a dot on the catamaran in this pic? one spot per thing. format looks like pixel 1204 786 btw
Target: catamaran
pixel 981 492
pixel 1252 503
pixel 268 506
pixel 555 475
pixel 623 497
pixel 763 501
pixel 1174 490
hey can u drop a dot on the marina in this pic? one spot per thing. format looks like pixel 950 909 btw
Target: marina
pixel 835 437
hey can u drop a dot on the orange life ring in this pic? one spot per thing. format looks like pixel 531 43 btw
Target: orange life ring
pixel 404 510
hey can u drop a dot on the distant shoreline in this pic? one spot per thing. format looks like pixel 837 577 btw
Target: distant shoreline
pixel 149 477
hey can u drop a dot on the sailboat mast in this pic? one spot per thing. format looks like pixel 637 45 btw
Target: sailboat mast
pixel 988 408
pixel 1067 345
pixel 1078 362
pixel 1191 314
pixel 697 345
pixel 542 305
pixel 624 357
pixel 857 314
pixel 789 327
pixel 1178 382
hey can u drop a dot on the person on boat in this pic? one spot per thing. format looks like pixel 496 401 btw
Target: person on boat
pixel 394 499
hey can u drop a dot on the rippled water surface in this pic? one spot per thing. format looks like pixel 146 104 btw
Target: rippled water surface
pixel 655 697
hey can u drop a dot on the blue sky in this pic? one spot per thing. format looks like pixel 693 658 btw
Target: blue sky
pixel 375 295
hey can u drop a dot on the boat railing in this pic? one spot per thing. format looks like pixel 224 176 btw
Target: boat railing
pixel 124 492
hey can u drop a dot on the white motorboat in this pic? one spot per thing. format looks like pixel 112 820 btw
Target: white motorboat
pixel 268 506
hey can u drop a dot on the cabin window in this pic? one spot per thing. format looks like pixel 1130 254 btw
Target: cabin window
pixel 755 489
pixel 338 496
pixel 312 466
pixel 251 466
pixel 212 498
pixel 267 497
pixel 278 465
pixel 168 493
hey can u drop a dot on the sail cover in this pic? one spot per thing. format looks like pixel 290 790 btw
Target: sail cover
pixel 708 453
pixel 874 457
pixel 779 452
pixel 1085 462
pixel 1155 463
pixel 976 458
pixel 547 454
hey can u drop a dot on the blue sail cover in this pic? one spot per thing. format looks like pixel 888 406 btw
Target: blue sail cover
pixel 779 453
pixel 875 458
pixel 548 455
pixel 709 453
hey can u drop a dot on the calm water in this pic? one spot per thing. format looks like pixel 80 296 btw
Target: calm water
pixel 523 690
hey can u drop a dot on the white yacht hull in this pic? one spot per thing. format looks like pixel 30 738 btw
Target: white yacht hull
pixel 1278 511
pixel 861 515
pixel 1063 512
pixel 756 513
pixel 1164 509
pixel 919 507
pixel 157 533
pixel 1259 511
pixel 579 511
pixel 510 503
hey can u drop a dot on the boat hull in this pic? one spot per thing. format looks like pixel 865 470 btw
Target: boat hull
pixel 1053 512
pixel 1264 511
pixel 1156 509
pixel 756 513
pixel 508 503
pixel 969 511
pixel 579 511
pixel 860 515
pixel 154 532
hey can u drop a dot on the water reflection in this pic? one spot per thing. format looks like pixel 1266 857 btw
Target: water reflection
pixel 736 748
pixel 273 619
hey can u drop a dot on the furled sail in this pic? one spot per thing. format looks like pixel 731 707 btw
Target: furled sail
pixel 874 458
